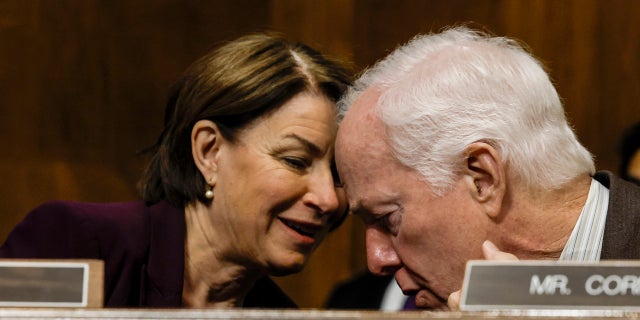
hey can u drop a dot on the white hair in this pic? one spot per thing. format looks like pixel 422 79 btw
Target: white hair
pixel 441 92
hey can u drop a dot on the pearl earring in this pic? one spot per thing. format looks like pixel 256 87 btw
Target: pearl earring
pixel 209 192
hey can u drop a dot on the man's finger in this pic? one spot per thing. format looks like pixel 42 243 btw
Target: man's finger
pixel 453 302
pixel 491 252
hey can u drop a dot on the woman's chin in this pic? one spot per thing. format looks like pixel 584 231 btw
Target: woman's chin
pixel 287 266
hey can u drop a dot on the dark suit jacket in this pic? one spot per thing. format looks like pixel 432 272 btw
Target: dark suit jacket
pixel 142 248
pixel 622 228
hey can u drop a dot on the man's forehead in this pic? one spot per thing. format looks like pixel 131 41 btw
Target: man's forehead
pixel 362 153
pixel 364 107
pixel 358 144
pixel 361 124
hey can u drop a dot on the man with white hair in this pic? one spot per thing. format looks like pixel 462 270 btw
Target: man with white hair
pixel 455 145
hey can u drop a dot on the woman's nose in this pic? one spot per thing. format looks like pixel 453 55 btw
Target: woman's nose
pixel 322 193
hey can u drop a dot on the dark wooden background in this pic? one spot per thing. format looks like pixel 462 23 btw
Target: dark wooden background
pixel 83 83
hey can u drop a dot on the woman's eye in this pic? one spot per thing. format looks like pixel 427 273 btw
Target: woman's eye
pixel 296 163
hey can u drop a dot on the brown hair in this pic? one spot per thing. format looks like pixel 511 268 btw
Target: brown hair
pixel 231 86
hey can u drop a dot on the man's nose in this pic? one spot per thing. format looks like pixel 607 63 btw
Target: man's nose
pixel 381 256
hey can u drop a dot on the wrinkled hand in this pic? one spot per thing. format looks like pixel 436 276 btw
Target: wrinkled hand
pixel 490 252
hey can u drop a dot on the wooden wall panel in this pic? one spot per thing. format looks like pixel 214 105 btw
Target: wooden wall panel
pixel 83 83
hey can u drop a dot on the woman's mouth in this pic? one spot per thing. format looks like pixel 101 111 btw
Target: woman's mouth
pixel 305 229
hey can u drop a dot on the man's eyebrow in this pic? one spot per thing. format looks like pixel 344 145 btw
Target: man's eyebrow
pixel 366 216
pixel 308 145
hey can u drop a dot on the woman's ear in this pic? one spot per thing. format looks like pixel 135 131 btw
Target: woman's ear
pixel 485 177
pixel 205 148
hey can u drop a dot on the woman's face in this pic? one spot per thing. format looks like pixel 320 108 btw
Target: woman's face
pixel 274 192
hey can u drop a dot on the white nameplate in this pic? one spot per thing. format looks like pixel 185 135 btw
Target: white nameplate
pixel 51 283
pixel 490 285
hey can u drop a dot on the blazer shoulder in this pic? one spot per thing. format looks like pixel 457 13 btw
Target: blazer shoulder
pixel 622 226
pixel 116 219
pixel 67 229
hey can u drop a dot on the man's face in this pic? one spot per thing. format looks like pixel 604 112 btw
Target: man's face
pixel 423 239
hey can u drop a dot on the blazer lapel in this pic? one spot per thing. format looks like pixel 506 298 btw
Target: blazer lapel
pixel 162 278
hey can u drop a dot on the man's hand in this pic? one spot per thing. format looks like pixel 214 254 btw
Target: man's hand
pixel 490 252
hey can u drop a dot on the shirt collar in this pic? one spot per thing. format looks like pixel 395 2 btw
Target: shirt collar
pixel 585 242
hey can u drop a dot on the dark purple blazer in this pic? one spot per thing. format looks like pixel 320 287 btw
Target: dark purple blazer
pixel 142 248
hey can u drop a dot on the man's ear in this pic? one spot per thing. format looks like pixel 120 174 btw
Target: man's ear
pixel 205 148
pixel 485 177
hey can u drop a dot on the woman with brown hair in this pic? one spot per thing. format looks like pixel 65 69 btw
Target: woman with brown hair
pixel 241 185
